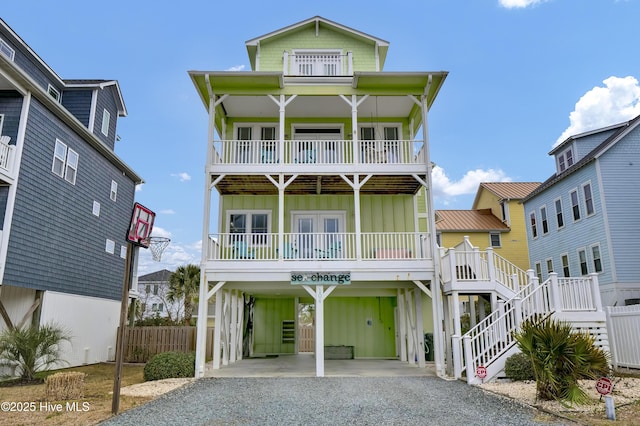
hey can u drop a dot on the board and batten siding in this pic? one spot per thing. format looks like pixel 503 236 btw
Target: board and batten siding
pixel 267 320
pixel 583 233
pixel 378 213
pixel 619 168
pixel 56 242
pixel 271 50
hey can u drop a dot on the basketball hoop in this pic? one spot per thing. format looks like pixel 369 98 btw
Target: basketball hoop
pixel 157 246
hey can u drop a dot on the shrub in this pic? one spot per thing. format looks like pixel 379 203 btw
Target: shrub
pixel 25 351
pixel 560 358
pixel 168 365
pixel 519 367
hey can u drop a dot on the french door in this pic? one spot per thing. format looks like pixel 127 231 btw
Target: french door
pixel 319 234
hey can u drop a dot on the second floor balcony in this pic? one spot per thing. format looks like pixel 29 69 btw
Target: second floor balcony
pixel 329 247
pixel 319 152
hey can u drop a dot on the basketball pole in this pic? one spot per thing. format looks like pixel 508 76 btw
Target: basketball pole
pixel 128 274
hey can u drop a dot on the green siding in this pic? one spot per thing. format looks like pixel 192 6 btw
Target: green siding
pixel 271 51
pixel 379 213
pixel 267 322
pixel 367 323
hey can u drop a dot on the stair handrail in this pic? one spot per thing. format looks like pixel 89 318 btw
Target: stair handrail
pixel 494 335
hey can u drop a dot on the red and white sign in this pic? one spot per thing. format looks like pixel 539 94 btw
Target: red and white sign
pixel 604 386
pixel 481 371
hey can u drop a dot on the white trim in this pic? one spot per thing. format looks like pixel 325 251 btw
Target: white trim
pixel 605 220
pixel 586 259
pixel 96 208
pixel 54 93
pixel 584 199
pixel 555 208
pixel 491 234
pixel 1 122
pixel 547 261
pixel 106 121
pixel 71 165
pixel 256 129
pixel 248 213
pixel 61 158
pixel 7 50
pixel 544 219
pixel 573 215
pixel 536 234
pixel 593 260
pixel 113 194
pixel 92 111
pixel 565 255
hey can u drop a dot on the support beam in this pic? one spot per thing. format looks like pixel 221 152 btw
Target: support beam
pixel 319 295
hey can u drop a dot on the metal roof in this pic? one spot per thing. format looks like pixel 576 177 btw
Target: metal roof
pixel 468 221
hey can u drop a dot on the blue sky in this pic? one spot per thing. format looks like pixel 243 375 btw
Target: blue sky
pixel 523 75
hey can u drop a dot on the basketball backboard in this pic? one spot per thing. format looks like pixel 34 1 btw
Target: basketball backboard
pixel 141 225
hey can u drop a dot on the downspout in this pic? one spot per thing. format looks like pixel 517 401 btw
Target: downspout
pixel 436 296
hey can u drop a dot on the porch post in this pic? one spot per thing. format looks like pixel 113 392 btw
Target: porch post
pixel 554 290
pixel 319 331
pixel 402 329
pixel 419 329
pixel 595 289
pixel 217 332
pixel 233 326
pixel 201 325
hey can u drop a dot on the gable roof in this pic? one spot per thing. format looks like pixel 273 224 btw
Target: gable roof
pixel 468 221
pixel 100 84
pixel 317 21
pixel 158 276
pixel 622 130
pixel 506 190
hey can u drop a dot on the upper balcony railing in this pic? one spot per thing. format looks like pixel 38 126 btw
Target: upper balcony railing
pixel 318 152
pixel 319 246
pixel 319 64
pixel 7 153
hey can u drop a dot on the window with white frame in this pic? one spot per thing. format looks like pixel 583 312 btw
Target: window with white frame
pixel 494 239
pixel 110 246
pixel 1 122
pixel 575 205
pixel 54 93
pixel 250 227
pixel 381 143
pixel 582 259
pixel 106 118
pixel 565 160
pixel 565 265
pixel 65 162
pixel 534 227
pixel 559 215
pixel 597 259
pixel 7 50
pixel 256 143
pixel 538 267
pixel 543 220
pixel 549 266
pixel 588 199
pixel 114 190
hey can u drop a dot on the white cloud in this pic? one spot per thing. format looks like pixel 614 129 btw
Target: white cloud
pixel 160 232
pixel 183 176
pixel 520 4
pixel 139 187
pixel 176 254
pixel 168 211
pixel 445 188
pixel 236 68
pixel 617 101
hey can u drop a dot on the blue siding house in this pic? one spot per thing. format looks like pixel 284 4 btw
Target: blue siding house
pixel 584 218
pixel 65 201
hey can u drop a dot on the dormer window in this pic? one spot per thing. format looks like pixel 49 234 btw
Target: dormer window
pixel 565 160
pixel 54 93
pixel 6 50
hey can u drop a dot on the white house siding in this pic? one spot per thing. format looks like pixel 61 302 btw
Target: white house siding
pixel 580 234
pixel 17 301
pixel 619 168
pixel 91 321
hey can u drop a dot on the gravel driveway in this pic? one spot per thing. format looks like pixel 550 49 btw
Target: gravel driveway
pixel 329 401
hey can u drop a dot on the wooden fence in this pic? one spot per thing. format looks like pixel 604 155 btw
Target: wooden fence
pixel 306 341
pixel 623 323
pixel 141 343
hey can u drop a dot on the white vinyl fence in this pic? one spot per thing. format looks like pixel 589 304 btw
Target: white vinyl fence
pixel 623 326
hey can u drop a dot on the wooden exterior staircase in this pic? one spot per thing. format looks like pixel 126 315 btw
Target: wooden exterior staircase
pixel 516 296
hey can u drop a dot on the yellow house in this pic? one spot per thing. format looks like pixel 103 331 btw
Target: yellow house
pixel 496 220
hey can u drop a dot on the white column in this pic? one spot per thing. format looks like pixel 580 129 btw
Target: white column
pixel 319 331
pixel 217 332
pixel 402 329
pixel 234 326
pixel 419 329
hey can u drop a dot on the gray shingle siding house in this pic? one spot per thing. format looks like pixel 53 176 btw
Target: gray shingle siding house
pixel 65 200
pixel 584 218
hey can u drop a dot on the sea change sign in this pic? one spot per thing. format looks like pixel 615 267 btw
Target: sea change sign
pixel 320 278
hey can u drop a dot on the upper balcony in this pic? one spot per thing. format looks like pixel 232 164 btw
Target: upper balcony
pixel 7 159
pixel 259 156
pixel 317 63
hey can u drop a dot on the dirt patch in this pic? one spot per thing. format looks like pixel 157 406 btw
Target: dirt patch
pixel 154 388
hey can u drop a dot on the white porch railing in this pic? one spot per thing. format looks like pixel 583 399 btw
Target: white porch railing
pixel 318 152
pixel 317 64
pixel 478 266
pixel 6 153
pixel 493 338
pixel 383 246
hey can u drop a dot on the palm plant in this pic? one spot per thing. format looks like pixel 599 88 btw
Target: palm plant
pixel 25 351
pixel 184 285
pixel 561 357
